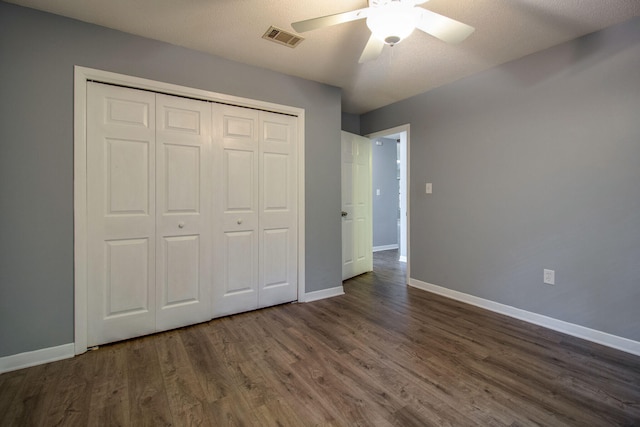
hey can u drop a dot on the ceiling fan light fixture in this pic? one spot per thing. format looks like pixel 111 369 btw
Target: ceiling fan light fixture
pixel 392 22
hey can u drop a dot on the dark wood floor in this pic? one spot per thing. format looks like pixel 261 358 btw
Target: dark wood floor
pixel 381 355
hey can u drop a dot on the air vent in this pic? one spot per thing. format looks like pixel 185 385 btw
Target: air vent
pixel 282 37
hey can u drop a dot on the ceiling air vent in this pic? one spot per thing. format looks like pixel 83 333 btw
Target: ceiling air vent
pixel 282 37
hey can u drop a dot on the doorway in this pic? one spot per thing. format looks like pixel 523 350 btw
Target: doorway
pixel 390 180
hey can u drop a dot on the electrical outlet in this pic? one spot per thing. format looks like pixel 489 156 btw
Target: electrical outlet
pixel 549 277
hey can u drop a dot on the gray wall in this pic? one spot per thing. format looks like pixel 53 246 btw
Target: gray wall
pixel 38 52
pixel 351 123
pixel 385 206
pixel 534 164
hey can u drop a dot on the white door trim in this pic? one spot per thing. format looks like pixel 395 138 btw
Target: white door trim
pixel 394 130
pixel 81 76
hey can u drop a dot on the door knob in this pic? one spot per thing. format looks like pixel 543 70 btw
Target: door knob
pixel 344 213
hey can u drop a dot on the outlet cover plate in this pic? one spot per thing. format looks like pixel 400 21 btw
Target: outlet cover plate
pixel 549 277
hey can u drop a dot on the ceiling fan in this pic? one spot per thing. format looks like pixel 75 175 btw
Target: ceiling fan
pixel 390 22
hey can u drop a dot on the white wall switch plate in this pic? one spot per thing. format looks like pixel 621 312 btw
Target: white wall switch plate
pixel 549 277
pixel 428 188
pixel 377 191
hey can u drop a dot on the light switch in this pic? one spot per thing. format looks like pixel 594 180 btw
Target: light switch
pixel 428 188
pixel 377 191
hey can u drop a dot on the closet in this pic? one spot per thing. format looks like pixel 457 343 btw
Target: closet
pixel 191 211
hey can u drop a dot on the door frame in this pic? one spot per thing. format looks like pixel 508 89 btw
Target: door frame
pixel 82 75
pixel 398 129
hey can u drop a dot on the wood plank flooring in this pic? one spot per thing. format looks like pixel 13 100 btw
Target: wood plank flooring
pixel 382 355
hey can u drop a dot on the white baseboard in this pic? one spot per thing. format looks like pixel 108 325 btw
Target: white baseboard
pixel 66 351
pixel 324 293
pixel 572 329
pixel 36 357
pixel 385 248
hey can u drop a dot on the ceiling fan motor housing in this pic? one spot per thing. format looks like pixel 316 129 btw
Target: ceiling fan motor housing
pixel 391 40
pixel 393 21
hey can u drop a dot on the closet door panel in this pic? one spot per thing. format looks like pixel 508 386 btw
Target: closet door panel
pixel 236 218
pixel 278 210
pixel 184 209
pixel 121 213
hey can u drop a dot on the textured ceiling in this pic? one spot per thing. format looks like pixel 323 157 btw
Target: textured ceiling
pixel 505 30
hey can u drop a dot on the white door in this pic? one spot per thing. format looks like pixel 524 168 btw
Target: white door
pixel 183 205
pixel 278 210
pixel 236 140
pixel 121 213
pixel 255 252
pixel 149 219
pixel 357 231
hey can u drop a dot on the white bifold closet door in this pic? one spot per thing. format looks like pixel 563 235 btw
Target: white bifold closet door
pixel 255 248
pixel 192 211
pixel 149 209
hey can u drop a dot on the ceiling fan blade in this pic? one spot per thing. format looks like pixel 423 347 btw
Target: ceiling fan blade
pixel 329 20
pixel 372 50
pixel 446 29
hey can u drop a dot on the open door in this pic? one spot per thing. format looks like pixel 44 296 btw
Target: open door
pixel 357 239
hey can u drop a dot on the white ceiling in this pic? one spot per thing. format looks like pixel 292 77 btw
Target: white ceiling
pixel 233 29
